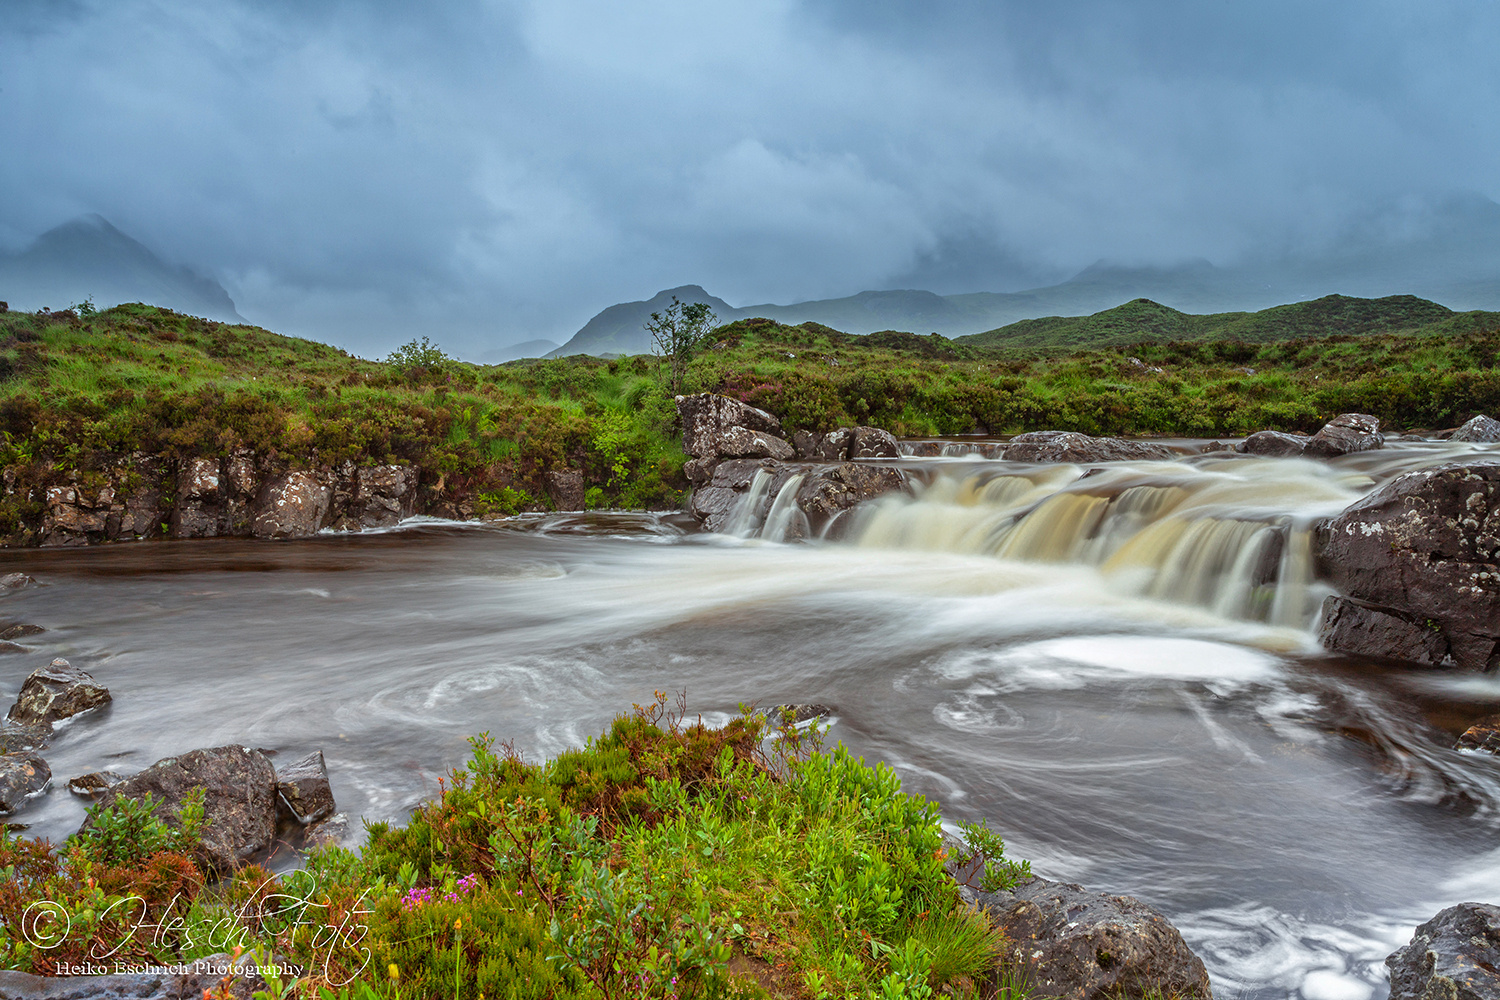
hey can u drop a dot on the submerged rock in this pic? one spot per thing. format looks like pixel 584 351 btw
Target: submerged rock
pixel 1453 956
pixel 1070 446
pixel 1274 444
pixel 239 804
pixel 55 692
pixel 1346 433
pixel 1419 555
pixel 1082 945
pixel 1479 429
pixel 1483 735
pixel 22 775
pixel 20 632
pixel 303 792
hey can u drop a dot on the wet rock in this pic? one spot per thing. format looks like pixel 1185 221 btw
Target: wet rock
pixel 11 647
pixel 1070 446
pixel 872 442
pixel 1479 429
pixel 927 449
pixel 834 447
pixel 829 492
pixel 387 495
pixel 95 783
pixel 1483 735
pixel 799 713
pixel 1081 945
pixel 741 442
pixel 55 692
pixel 1453 956
pixel 198 979
pixel 22 776
pixel 199 511
pixel 714 503
pixel 1275 444
pixel 1424 548
pixel 706 417
pixel 565 487
pixel 291 505
pixel 1351 626
pixel 331 831
pixel 1346 433
pixel 303 792
pixel 805 444
pixel 239 805
pixel 20 632
pixel 15 736
pixel 15 581
pixel 699 471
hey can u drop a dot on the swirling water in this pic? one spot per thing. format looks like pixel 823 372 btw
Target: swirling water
pixel 1116 670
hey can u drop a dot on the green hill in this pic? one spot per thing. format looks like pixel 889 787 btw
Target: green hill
pixel 1143 320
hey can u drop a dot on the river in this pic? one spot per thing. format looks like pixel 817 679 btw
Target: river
pixel 1119 672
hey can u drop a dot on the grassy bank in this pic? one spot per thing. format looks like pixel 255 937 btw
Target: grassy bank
pixel 664 859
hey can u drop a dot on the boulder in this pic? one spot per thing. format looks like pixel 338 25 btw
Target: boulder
pixel 872 442
pixel 55 692
pixel 1081 945
pixel 303 792
pixel 699 471
pixel 834 446
pixel 714 503
pixel 826 493
pixel 1070 446
pixel 1346 433
pixel 565 487
pixel 1275 444
pixel 22 775
pixel 1453 956
pixel 14 736
pixel 199 510
pixel 387 495
pixel 707 416
pixel 742 442
pixel 291 505
pixel 1423 549
pixel 239 804
pixel 805 444
pixel 1480 429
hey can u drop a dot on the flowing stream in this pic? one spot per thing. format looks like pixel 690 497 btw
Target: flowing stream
pixel 1117 670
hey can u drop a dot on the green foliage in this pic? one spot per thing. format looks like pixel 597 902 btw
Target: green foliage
pixel 503 502
pixel 677 332
pixel 983 845
pixel 418 354
pixel 128 830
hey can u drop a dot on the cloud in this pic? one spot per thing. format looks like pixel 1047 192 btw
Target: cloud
pixel 487 172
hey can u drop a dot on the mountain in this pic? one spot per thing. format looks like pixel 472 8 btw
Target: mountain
pixel 621 329
pixel 88 258
pixel 525 349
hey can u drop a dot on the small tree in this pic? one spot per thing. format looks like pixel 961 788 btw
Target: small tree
pixel 678 331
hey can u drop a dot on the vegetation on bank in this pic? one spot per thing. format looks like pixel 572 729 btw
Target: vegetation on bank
pixel 79 387
pixel 664 859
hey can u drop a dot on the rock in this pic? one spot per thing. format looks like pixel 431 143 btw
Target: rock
pixel 1478 429
pixel 14 736
pixel 713 504
pixel 291 505
pixel 199 510
pixel 699 471
pixel 834 447
pixel 741 442
pixel 303 791
pixel 11 647
pixel 22 775
pixel 93 784
pixel 707 416
pixel 1350 626
pixel 805 444
pixel 872 442
pixel 326 832
pixel 198 979
pixel 239 805
pixel 1276 444
pixel 1453 956
pixel 798 713
pixel 927 449
pixel 1346 433
pixel 15 581
pixel 1081 945
pixel 827 493
pixel 1425 549
pixel 1483 735
pixel 55 692
pixel 1070 446
pixel 20 632
pixel 565 487
pixel 387 494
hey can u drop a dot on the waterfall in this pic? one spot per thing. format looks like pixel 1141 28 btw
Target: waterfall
pixel 785 519
pixel 746 517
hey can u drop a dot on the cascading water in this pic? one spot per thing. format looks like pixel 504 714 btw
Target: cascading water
pixel 785 519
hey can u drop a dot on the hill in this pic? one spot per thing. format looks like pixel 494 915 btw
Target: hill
pixel 88 258
pixel 1145 320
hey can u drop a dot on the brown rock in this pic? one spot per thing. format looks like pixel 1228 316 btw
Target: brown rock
pixel 927 449
pixel 94 784
pixel 829 492
pixel 325 832
pixel 55 692
pixel 303 790
pixel 1276 444
pixel 872 442
pixel 835 446
pixel 1070 446
pixel 1346 433
pixel 14 736
pixel 22 776
pixel 565 487
pixel 291 505
pixel 1352 626
pixel 699 471
pixel 1453 956
pixel 239 804
pixel 1482 735
pixel 15 581
pixel 20 632
pixel 385 495
pixel 1081 945
pixel 805 444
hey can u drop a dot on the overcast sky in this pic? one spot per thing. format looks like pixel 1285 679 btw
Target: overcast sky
pixel 488 172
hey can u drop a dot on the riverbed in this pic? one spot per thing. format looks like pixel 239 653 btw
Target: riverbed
pixel 1125 684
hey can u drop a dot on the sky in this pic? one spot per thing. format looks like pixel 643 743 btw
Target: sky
pixel 491 172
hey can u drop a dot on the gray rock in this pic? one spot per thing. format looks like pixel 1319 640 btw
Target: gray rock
pixel 331 831
pixel 699 471
pixel 1453 956
pixel 387 495
pixel 565 487
pixel 1351 626
pixel 55 692
pixel 303 790
pixel 872 442
pixel 835 446
pixel 291 506
pixel 741 442
pixel 22 775
pixel 1275 444
pixel 239 804
pixel 1346 433
pixel 1070 446
pixel 805 444
pixel 15 581
pixel 714 503
pixel 829 492
pixel 1081 945
pixel 707 416
pixel 1424 548
pixel 1480 429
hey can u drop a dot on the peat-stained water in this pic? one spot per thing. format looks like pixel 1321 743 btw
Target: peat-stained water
pixel 1295 814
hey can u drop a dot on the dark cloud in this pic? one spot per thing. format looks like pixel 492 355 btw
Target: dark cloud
pixel 488 172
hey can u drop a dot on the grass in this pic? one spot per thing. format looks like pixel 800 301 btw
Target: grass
pixel 663 859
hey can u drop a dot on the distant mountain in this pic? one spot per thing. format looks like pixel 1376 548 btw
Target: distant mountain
pixel 621 329
pixel 1143 320
pixel 88 258
pixel 525 349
